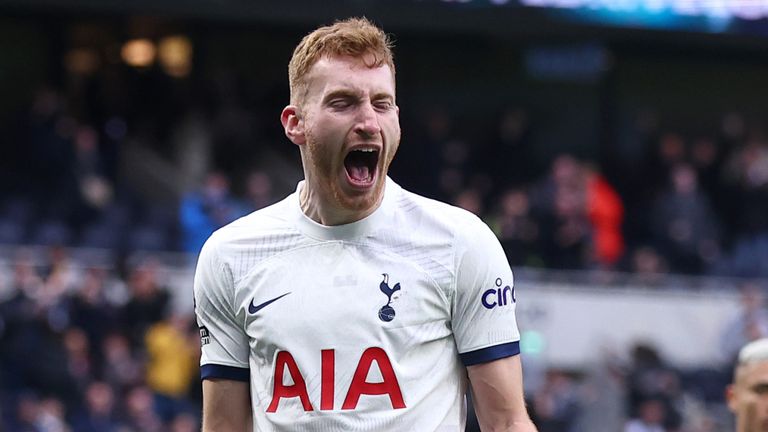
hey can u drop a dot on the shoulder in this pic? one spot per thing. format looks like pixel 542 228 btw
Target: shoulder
pixel 273 220
pixel 434 215
pixel 251 238
pixel 435 211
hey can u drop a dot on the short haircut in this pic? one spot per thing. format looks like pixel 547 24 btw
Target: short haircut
pixel 753 352
pixel 354 37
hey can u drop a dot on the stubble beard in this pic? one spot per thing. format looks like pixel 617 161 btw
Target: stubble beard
pixel 326 177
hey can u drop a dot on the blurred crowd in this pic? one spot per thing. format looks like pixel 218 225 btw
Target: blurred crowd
pixel 101 348
pixel 691 204
pixel 86 349
pixel 688 204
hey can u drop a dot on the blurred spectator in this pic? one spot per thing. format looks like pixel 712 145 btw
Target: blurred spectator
pixel 51 416
pixel 560 199
pixel 606 214
pixel 35 415
pixel 140 413
pixel 603 396
pixel 470 199
pixel 649 419
pixel 172 364
pixel 670 152
pixel 707 160
pixel 684 223
pixel 258 190
pixel 191 141
pixel 749 325
pixel 95 189
pixel 17 322
pixel 122 368
pixel 508 158
pixel 78 354
pixel 89 308
pixel 25 419
pixel 555 405
pixel 98 414
pixel 206 210
pixel 516 228
pixel 746 172
pixel 653 386
pixel 148 302
pixel 648 266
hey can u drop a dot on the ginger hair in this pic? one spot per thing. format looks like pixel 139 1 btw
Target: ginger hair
pixel 352 37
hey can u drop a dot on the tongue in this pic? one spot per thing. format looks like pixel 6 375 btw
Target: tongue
pixel 358 172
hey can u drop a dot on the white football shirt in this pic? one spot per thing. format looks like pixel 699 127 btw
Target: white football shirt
pixel 360 327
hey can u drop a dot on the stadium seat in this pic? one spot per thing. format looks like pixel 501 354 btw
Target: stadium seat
pixel 148 238
pixel 103 236
pixel 11 231
pixel 52 232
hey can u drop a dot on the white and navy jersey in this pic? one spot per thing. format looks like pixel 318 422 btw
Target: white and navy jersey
pixel 360 327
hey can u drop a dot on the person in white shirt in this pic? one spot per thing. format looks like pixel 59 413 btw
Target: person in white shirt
pixel 354 305
pixel 747 396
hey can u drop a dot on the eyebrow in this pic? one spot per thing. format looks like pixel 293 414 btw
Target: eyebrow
pixel 349 93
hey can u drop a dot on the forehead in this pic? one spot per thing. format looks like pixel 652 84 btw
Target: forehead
pixel 330 74
pixel 754 373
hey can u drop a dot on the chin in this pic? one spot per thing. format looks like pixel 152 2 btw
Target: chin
pixel 359 203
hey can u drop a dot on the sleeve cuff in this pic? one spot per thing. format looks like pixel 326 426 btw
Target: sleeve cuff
pixel 490 353
pixel 208 371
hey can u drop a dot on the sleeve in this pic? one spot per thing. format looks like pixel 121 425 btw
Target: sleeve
pixel 484 323
pixel 224 343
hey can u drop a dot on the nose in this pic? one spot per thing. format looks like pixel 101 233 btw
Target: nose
pixel 367 121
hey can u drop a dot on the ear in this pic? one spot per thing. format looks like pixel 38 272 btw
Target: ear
pixel 293 125
pixel 730 398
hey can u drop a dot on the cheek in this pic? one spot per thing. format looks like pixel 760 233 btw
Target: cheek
pixel 391 128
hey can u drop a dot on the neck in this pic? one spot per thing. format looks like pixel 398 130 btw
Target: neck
pixel 320 210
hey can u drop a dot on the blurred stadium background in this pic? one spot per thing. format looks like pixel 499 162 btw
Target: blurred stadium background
pixel 617 147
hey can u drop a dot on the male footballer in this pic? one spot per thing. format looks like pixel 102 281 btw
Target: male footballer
pixel 353 304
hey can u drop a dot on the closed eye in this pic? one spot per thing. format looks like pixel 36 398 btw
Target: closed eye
pixel 340 104
pixel 760 388
pixel 383 105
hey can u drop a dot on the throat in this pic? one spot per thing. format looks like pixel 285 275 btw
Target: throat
pixel 361 166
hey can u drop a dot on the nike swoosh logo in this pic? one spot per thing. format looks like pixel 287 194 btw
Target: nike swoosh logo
pixel 255 308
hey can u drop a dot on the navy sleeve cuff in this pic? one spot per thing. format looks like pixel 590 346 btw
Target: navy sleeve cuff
pixel 490 353
pixel 226 372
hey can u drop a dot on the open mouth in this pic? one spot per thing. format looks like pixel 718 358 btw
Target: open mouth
pixel 361 165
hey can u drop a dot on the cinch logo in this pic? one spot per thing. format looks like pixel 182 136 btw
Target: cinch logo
pixel 498 296
pixel 388 386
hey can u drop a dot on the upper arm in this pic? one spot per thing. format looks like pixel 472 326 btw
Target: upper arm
pixel 497 390
pixel 483 316
pixel 485 328
pixel 224 344
pixel 226 406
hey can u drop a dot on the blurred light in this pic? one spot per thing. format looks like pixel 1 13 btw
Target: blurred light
pixel 81 61
pixel 138 52
pixel 175 54
pixel 531 342
pixel 744 9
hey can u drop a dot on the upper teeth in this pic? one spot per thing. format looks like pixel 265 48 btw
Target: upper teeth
pixel 367 150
